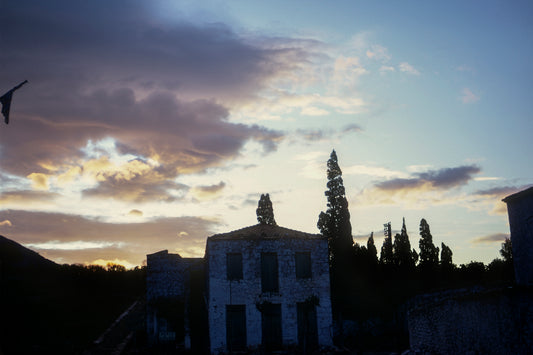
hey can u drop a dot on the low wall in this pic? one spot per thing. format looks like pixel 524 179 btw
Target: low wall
pixel 472 321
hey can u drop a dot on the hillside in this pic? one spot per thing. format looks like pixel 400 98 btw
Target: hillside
pixel 51 308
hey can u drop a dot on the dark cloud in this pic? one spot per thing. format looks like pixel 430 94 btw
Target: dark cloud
pixel 314 135
pixel 500 191
pixel 491 238
pixel 110 69
pixel 442 179
pixel 129 241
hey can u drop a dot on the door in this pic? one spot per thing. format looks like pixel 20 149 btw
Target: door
pixel 236 327
pixel 271 326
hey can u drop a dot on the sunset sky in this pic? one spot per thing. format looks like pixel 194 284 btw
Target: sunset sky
pixel 151 125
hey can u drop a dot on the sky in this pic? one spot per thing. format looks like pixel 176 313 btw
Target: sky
pixel 151 125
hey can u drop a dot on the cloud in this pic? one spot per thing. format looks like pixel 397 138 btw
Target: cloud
pixel 135 212
pixel 208 192
pixel 6 222
pixel 39 181
pixel 468 96
pixel 314 135
pixel 161 90
pixel 493 196
pixel 446 178
pixel 408 68
pixel 378 52
pixel 74 239
pixel 419 189
pixel 491 238
pixel 385 68
pixel 27 197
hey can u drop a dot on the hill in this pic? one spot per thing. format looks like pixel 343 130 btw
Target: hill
pixel 60 309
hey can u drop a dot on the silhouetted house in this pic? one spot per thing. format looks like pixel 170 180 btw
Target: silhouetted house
pixel 167 295
pixel 268 287
pixel 520 210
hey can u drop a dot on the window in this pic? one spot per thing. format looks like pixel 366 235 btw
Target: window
pixel 234 266
pixel 269 272
pixel 303 265
pixel 236 327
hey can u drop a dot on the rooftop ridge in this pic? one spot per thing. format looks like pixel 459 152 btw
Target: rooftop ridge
pixel 265 231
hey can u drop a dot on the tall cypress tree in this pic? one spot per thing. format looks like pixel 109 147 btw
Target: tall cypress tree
pixel 402 249
pixel 387 256
pixel 335 222
pixel 371 249
pixel 335 225
pixel 429 253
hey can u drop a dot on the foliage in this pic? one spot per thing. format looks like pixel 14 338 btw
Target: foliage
pixel 446 255
pixel 507 250
pixel 371 250
pixel 265 212
pixel 429 253
pixel 335 222
pixel 401 249
pixel 387 254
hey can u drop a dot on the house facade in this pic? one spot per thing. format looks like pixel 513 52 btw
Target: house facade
pixel 268 287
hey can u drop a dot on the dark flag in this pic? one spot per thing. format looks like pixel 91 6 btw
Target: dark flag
pixel 6 101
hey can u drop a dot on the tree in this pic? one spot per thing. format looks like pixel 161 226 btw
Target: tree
pixel 507 251
pixel 446 258
pixel 387 256
pixel 371 249
pixel 402 249
pixel 335 222
pixel 429 254
pixel 265 212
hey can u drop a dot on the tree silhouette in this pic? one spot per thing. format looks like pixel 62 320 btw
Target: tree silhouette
pixel 387 256
pixel 446 258
pixel 265 212
pixel 402 249
pixel 371 250
pixel 507 251
pixel 335 222
pixel 429 253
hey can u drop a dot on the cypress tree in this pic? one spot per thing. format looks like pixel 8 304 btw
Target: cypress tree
pixel 429 253
pixel 335 222
pixel 265 212
pixel 387 256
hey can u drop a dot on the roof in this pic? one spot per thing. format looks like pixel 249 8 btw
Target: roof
pixel 519 195
pixel 265 231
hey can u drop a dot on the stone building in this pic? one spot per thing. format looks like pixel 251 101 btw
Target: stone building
pixel 268 287
pixel 520 210
pixel 168 281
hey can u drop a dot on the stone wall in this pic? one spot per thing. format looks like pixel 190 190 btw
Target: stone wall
pixel 473 321
pixel 247 291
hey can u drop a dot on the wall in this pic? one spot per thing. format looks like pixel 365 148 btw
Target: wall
pixel 474 321
pixel 520 210
pixel 248 290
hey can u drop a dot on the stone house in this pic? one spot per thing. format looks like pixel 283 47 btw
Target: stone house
pixel 268 287
pixel 168 281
